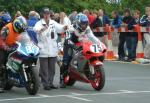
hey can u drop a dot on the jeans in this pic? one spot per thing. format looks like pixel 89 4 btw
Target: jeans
pixel 66 60
pixel 122 39
pixel 131 43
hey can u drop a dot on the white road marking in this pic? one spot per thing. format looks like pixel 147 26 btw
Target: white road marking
pixel 36 97
pixel 127 91
pixel 128 78
pixel 83 99
pixel 43 95
pixel 73 95
pixel 123 62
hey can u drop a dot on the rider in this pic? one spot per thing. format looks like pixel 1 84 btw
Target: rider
pixel 5 18
pixel 79 31
pixel 8 37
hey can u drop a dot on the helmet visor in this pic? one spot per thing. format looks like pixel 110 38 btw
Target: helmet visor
pixel 83 25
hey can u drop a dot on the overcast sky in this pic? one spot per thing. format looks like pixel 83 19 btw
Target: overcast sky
pixel 109 1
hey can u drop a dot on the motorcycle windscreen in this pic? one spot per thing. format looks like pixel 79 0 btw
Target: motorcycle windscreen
pixel 26 46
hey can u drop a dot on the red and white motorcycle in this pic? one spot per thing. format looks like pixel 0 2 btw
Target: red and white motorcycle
pixel 87 65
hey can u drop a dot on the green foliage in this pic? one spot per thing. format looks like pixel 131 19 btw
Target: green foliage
pixel 69 5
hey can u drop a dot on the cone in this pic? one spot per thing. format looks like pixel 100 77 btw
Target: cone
pixel 139 49
pixel 109 54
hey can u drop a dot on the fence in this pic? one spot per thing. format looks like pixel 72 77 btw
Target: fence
pixel 110 30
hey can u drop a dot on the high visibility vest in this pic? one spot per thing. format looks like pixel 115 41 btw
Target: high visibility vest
pixel 12 35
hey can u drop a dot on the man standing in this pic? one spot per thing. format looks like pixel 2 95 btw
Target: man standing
pixel 47 30
pixel 31 23
pixel 145 22
pixel 116 23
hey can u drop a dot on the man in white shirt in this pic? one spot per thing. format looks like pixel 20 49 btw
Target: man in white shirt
pixel 47 30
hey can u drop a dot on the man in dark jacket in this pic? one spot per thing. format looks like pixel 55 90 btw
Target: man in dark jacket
pixel 101 21
pixel 129 37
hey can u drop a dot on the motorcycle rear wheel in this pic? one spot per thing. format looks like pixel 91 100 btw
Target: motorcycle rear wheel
pixel 7 85
pixel 99 78
pixel 32 85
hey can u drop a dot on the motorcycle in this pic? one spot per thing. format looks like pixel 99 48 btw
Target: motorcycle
pixel 87 65
pixel 21 66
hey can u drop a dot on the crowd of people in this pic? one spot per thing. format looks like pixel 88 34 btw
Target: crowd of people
pixel 46 29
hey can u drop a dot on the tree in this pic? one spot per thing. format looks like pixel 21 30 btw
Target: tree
pixel 69 5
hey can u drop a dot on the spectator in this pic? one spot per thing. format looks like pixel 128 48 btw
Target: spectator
pixel 122 39
pixel 97 23
pixel 52 14
pixel 18 13
pixel 116 23
pixel 117 20
pixel 145 21
pixel 101 21
pixel 57 17
pixel 105 20
pixel 31 22
pixel 130 37
pixel 72 16
pixel 136 16
pixel 47 30
pixel 89 15
pixel 64 20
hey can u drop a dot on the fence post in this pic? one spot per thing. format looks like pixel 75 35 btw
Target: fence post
pixel 139 49
pixel 109 54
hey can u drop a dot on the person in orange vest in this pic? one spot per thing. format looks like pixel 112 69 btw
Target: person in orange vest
pixel 8 37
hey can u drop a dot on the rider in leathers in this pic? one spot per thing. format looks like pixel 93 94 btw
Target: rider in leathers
pixel 79 31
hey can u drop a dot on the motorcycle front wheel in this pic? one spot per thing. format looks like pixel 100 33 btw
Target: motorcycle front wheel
pixel 69 81
pixel 32 85
pixel 98 80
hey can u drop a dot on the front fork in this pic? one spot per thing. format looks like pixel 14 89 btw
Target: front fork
pixel 93 64
pixel 24 72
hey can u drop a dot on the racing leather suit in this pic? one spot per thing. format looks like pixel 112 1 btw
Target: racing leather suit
pixel 74 36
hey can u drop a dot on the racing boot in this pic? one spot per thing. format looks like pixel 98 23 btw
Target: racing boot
pixel 62 84
pixel 63 73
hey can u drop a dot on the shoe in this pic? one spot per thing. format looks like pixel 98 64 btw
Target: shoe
pixel 53 87
pixel 121 59
pixel 129 60
pixel 47 88
pixel 1 90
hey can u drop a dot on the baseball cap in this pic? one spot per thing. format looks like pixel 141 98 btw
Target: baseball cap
pixel 46 10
